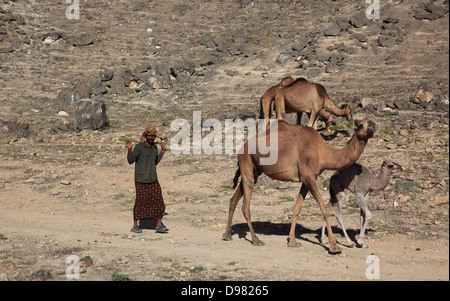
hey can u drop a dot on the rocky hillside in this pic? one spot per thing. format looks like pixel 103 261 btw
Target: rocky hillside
pixel 215 52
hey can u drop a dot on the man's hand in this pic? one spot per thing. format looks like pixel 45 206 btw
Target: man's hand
pixel 163 146
pixel 129 145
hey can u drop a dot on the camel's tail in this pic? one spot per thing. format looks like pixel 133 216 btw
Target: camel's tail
pixel 333 198
pixel 261 108
pixel 237 175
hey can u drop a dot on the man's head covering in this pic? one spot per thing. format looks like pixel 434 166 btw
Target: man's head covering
pixel 148 131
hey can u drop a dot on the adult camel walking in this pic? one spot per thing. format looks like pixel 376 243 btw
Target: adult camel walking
pixel 302 155
pixel 302 96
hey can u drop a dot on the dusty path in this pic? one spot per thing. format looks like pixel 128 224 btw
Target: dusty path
pixel 41 231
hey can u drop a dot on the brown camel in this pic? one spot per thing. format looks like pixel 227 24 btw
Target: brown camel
pixel 301 97
pixel 267 103
pixel 302 155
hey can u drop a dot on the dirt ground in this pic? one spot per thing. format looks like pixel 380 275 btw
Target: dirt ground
pixel 68 192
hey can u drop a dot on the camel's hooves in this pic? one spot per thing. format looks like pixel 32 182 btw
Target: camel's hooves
pixel 294 244
pixel 337 250
pixel 227 237
pixel 258 243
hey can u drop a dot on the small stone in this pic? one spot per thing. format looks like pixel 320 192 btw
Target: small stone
pixel 404 132
pixel 41 275
pixel 81 38
pixel 86 261
pixel 282 186
pixel 64 182
pixel 63 114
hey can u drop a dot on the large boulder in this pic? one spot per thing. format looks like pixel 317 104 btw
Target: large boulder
pixel 70 95
pixel 90 114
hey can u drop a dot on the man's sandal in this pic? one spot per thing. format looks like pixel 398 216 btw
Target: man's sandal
pixel 161 229
pixel 136 229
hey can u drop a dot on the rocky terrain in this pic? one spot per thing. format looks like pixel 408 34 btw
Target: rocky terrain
pixel 66 188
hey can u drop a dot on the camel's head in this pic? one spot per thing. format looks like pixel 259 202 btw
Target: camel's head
pixel 364 128
pixel 348 111
pixel 390 166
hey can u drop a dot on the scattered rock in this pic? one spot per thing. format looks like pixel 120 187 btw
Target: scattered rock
pixel 358 20
pixel 86 261
pixel 63 114
pixel 81 38
pixel 333 31
pixel 208 41
pixel 90 114
pixel 430 11
pixel 421 97
pixel 51 38
pixel 240 37
pixel 404 133
pixel 69 95
pixel 106 75
pixel 41 275
pixel 283 58
pixel 272 16
pixel 159 78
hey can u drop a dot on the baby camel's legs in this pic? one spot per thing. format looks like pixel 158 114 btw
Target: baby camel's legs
pixel 341 222
pixel 365 216
pixel 339 198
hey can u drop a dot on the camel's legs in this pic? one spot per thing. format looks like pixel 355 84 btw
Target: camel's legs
pixel 327 117
pixel 297 208
pixel 339 198
pixel 340 220
pixel 267 108
pixel 299 118
pixel 312 186
pixel 248 185
pixel 233 203
pixel 313 119
pixel 323 237
pixel 279 107
pixel 365 214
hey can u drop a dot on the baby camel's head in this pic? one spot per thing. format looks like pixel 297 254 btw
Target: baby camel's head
pixel 390 166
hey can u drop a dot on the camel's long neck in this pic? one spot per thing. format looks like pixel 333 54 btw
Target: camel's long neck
pixel 381 181
pixel 329 104
pixel 338 159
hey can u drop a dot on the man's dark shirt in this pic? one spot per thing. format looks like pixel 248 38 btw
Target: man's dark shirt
pixel 146 159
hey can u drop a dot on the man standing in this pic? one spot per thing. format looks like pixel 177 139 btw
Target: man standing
pixel 149 202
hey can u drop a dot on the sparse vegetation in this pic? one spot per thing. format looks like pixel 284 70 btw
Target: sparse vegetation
pixel 116 276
